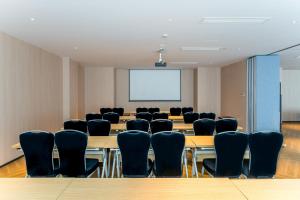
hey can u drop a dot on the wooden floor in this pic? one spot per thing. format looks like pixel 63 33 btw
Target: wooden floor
pixel 288 165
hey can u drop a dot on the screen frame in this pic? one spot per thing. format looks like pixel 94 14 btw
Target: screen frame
pixel 180 92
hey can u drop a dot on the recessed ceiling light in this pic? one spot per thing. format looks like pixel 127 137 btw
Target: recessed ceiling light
pixel 294 22
pixel 202 48
pixel 165 35
pixel 218 20
pixel 32 19
pixel 76 48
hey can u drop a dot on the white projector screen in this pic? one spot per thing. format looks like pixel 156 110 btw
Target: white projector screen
pixel 154 85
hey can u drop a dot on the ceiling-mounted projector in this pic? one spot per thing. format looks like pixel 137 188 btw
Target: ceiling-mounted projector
pixel 160 62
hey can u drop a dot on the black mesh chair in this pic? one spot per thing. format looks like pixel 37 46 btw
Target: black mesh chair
pixel 77 125
pixel 153 110
pixel 105 110
pixel 187 109
pixel 38 149
pixel 226 124
pixel 134 146
pixel 230 149
pixel 99 127
pixel 264 150
pixel 139 110
pixel 120 111
pixel 190 117
pixel 207 116
pixel 204 126
pixel 92 116
pixel 168 148
pixel 144 115
pixel 112 117
pixel 138 124
pixel 158 115
pixel 71 146
pixel 175 111
pixel 161 125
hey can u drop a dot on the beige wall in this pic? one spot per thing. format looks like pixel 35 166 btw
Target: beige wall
pixel 30 92
pixel 209 89
pixel 76 91
pixel 99 88
pixel 233 91
pixel 122 88
pixel 290 81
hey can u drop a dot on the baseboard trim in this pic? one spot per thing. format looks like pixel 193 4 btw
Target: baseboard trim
pixel 11 161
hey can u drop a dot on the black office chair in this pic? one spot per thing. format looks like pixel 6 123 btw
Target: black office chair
pixel 226 124
pixel 105 110
pixel 92 116
pixel 120 111
pixel 161 125
pixel 154 110
pixel 230 149
pixel 139 110
pixel 112 117
pixel 71 146
pixel 186 110
pixel 204 126
pixel 168 148
pixel 38 152
pixel 190 117
pixel 207 116
pixel 264 151
pixel 99 127
pixel 144 115
pixel 134 146
pixel 138 124
pixel 175 111
pixel 77 125
pixel 158 115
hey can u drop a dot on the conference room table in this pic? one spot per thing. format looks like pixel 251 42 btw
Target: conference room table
pixel 149 189
pixel 132 117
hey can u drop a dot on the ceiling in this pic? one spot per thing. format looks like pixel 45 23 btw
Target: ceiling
pixel 127 33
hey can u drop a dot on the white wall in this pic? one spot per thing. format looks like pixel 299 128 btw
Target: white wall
pixel 122 88
pixel 209 90
pixel 290 82
pixel 99 88
pixel 30 92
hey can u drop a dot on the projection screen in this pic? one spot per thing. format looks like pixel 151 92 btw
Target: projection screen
pixel 154 85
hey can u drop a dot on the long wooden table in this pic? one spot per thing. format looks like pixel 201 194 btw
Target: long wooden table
pixel 176 126
pixel 148 189
pixel 105 142
pixel 132 117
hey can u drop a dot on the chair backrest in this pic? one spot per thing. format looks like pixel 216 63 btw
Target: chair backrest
pixel 138 124
pixel 112 117
pixel 190 117
pixel 144 115
pixel 153 110
pixel 226 124
pixel 175 111
pixel 168 148
pixel 120 111
pixel 207 116
pixel 77 125
pixel 140 109
pixel 105 110
pixel 92 116
pixel 204 126
pixel 158 115
pixel 230 149
pixel 134 146
pixel 71 146
pixel 38 148
pixel 186 109
pixel 161 125
pixel 264 150
pixel 99 127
